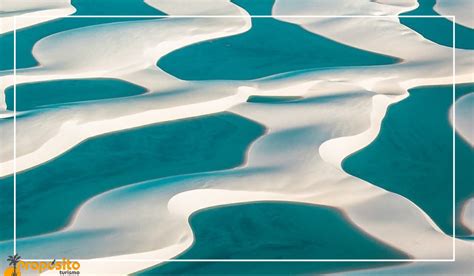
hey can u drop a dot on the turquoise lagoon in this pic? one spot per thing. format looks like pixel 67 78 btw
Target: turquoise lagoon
pixel 413 155
pixel 274 230
pixel 269 47
pixel 57 92
pixel 272 99
pixel 438 30
pixel 99 164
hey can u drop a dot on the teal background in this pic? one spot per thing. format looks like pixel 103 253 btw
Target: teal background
pixel 275 230
pixel 438 30
pixel 413 155
pixel 59 92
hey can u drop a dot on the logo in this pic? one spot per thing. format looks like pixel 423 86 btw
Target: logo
pixel 64 267
pixel 12 263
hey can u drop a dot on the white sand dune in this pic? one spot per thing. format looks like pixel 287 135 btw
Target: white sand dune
pixel 298 159
pixel 37 12
pixel 461 9
pixel 464 117
pixel 468 215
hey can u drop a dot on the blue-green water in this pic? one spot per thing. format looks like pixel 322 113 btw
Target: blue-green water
pixel 269 47
pixel 274 230
pixel 39 94
pixel 413 155
pixel 272 99
pixel 438 30
pixel 47 195
pixel 27 37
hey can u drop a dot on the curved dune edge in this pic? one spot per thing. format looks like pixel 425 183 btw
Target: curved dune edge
pixel 30 13
pixel 366 205
pixel 468 215
pixel 461 9
pixel 464 115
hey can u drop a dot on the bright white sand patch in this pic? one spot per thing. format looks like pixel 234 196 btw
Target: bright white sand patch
pixel 45 10
pixel 468 215
pixel 465 117
pixel 462 9
pixel 200 7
